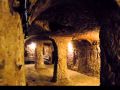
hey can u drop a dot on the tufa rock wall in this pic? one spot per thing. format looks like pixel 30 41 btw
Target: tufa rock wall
pixel 89 59
pixel 62 73
pixel 110 49
pixel 12 71
pixel 86 58
pixel 39 52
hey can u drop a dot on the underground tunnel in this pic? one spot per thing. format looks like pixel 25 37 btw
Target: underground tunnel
pixel 59 42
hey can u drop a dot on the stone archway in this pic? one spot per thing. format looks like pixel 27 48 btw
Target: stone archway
pixel 59 57
pixel 89 58
pixel 85 57
pixel 39 53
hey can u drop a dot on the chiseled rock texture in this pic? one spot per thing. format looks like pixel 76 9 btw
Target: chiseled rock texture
pixel 39 52
pixel 110 49
pixel 89 58
pixel 12 71
pixel 108 17
pixel 62 72
pixel 86 57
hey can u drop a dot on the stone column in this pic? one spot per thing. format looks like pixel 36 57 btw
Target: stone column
pixel 62 72
pixel 110 49
pixel 12 71
pixel 4 6
pixel 39 51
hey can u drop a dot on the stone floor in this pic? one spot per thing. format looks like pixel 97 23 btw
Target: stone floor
pixel 43 76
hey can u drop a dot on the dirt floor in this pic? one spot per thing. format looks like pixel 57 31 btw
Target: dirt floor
pixel 43 76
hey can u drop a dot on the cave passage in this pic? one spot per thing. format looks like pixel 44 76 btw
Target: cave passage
pixel 59 42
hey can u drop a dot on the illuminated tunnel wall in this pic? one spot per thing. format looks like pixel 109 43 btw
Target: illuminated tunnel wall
pixel 84 57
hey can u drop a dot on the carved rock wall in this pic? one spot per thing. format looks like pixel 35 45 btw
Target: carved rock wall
pixel 12 71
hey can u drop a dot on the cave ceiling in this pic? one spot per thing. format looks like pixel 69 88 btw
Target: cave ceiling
pixel 65 16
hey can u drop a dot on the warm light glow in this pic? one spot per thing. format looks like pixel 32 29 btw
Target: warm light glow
pixel 31 49
pixel 32 45
pixel 70 47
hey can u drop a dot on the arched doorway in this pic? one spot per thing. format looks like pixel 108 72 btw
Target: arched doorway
pixel 84 58
pixel 45 71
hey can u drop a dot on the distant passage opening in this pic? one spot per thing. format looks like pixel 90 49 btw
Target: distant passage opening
pixel 39 62
pixel 30 53
pixel 84 61
pixel 47 53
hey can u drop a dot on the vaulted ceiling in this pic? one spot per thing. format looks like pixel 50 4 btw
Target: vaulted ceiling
pixel 67 16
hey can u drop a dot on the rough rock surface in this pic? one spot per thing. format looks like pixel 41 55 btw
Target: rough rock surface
pixel 89 59
pixel 86 57
pixel 39 51
pixel 11 47
pixel 62 42
pixel 110 50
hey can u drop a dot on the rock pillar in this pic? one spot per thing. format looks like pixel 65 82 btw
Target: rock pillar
pixel 12 72
pixel 39 51
pixel 110 49
pixel 62 72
